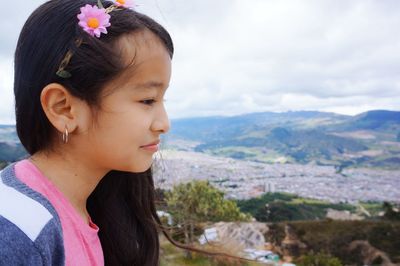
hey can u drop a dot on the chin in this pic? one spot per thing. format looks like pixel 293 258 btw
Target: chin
pixel 139 171
pixel 135 166
pixel 140 168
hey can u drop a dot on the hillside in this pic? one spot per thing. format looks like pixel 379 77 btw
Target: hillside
pixel 377 120
pixel 353 242
pixel 370 139
pixel 10 152
pixel 215 128
pixel 10 147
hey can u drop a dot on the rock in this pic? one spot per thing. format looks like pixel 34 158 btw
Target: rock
pixel 248 235
pixel 369 254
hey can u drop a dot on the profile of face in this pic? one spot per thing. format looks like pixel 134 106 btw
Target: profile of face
pixel 132 113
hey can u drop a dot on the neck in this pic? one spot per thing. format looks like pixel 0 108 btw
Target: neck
pixel 74 177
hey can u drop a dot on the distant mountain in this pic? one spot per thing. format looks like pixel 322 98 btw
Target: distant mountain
pixel 300 145
pixel 8 134
pixel 368 139
pixel 10 152
pixel 10 147
pixel 373 120
pixel 220 127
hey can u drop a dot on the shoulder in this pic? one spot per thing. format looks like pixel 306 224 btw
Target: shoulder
pixel 16 247
pixel 30 230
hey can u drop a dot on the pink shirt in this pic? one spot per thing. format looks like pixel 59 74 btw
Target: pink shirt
pixel 81 242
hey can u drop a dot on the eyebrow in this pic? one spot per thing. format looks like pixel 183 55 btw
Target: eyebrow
pixel 150 85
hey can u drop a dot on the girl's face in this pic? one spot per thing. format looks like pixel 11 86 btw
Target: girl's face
pixel 132 113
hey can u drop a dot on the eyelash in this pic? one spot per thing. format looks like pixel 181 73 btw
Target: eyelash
pixel 148 102
pixel 152 101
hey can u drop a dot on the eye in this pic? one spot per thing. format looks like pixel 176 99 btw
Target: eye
pixel 148 101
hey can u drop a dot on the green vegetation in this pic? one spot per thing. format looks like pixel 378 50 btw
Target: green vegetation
pixel 319 259
pixel 2 164
pixel 234 152
pixel 197 201
pixel 373 208
pixel 201 202
pixel 249 153
pixel 173 256
pixel 327 242
pixel 334 237
pixel 390 213
pixel 300 146
pixel 276 207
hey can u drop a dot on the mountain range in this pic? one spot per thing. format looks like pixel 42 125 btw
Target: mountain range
pixel 370 139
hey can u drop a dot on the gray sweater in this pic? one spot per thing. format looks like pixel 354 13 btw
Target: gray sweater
pixel 30 229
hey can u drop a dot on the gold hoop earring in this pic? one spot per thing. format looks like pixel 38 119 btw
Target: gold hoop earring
pixel 65 136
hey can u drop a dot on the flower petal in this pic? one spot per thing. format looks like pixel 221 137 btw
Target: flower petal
pixel 126 4
pixel 93 12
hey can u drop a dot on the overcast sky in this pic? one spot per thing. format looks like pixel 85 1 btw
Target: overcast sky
pixel 237 56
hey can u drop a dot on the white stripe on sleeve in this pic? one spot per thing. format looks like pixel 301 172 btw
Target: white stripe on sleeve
pixel 27 214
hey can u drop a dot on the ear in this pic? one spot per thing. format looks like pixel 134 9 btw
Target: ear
pixel 61 107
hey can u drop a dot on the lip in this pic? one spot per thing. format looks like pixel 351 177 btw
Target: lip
pixel 152 146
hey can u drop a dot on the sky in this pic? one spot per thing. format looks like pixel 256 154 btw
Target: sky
pixel 235 56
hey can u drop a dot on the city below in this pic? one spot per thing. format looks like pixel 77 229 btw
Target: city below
pixel 240 179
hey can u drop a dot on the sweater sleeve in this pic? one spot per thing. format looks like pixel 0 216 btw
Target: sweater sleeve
pixel 30 230
pixel 16 248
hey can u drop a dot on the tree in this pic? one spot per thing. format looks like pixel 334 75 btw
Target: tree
pixel 3 164
pixel 198 201
pixel 390 212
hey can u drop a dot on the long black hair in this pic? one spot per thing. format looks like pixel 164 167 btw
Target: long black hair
pixel 122 204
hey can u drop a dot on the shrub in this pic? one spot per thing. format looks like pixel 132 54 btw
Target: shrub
pixel 319 259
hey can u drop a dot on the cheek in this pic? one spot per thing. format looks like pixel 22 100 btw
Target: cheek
pixel 85 122
pixel 119 129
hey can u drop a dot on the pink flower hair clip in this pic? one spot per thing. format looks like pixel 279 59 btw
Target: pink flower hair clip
pixel 125 3
pixel 94 20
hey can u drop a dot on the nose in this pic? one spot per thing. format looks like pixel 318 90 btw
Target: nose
pixel 161 122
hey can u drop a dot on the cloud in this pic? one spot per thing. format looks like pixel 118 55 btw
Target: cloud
pixel 234 56
pixel 7 96
pixel 11 22
pixel 256 55
pixel 12 19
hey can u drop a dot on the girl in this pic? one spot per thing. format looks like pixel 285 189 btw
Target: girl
pixel 90 78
